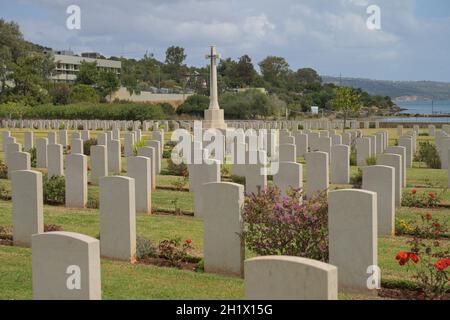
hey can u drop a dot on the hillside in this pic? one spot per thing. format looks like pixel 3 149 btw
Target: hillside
pixel 421 90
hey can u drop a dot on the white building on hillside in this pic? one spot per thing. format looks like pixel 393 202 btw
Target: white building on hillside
pixel 68 65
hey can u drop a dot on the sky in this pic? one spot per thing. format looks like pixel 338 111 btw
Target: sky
pixel 330 36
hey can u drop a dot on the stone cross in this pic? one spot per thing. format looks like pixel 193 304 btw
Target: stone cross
pixel 214 57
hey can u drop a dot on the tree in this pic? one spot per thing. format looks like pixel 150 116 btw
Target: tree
pixel 23 65
pixel 149 70
pixel 308 77
pixel 244 71
pixel 175 56
pixel 346 101
pixel 88 73
pixel 226 71
pixel 174 63
pixel 30 79
pixel 129 76
pixel 83 93
pixel 108 83
pixel 274 70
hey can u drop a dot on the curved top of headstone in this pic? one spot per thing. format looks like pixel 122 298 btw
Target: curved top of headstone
pixel 116 178
pixel 293 260
pixel 61 235
pixel 351 191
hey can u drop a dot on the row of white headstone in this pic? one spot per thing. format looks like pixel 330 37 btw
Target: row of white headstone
pixel 105 159
pixel 94 124
pixel 357 217
pixel 67 265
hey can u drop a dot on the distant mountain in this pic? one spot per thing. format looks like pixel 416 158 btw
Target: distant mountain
pixel 404 90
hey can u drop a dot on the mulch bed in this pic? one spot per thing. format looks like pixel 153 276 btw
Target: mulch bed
pixel 405 294
pixel 163 212
pixel 169 188
pixel 161 262
pixel 6 238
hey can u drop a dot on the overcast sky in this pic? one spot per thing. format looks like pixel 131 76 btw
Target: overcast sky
pixel 330 36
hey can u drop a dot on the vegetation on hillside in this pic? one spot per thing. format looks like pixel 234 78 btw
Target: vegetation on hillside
pixel 25 80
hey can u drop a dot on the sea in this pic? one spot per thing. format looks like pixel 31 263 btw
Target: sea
pixel 438 107
pixel 422 110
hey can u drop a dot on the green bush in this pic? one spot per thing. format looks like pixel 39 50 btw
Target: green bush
pixel 371 161
pixel 353 158
pixel 5 193
pixel 194 105
pixel 93 202
pixel 167 108
pixel 428 153
pixel 54 190
pixel 137 146
pixel 167 154
pixel 33 157
pixel 145 248
pixel 3 170
pixel 86 111
pixel 250 104
pixel 238 179
pixel 87 146
pixel 356 179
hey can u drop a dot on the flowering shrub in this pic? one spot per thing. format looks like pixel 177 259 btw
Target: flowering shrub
pixel 428 227
pixel 277 225
pixel 175 251
pixel 180 184
pixel 177 169
pixel 429 259
pixel 424 199
pixel 402 228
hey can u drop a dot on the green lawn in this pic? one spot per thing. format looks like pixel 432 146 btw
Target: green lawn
pixel 125 281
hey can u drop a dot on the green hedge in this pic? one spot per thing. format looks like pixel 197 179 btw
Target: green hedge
pixel 114 111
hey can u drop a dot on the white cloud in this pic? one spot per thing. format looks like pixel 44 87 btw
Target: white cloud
pixel 327 35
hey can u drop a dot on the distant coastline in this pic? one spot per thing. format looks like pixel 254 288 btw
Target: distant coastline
pixel 412 98
pixel 435 108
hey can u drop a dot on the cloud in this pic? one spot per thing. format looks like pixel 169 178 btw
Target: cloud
pixel 330 36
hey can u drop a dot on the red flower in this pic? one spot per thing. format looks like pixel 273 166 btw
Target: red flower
pixel 414 257
pixel 429 216
pixel 432 195
pixel 188 241
pixel 414 191
pixel 402 257
pixel 441 265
